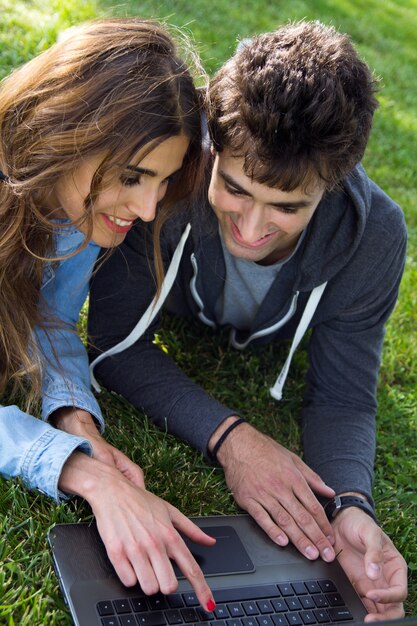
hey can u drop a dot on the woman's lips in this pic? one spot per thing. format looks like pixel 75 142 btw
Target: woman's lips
pixel 256 244
pixel 117 228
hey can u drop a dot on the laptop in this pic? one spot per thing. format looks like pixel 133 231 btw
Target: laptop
pixel 254 582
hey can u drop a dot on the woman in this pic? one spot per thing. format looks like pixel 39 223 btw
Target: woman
pixel 93 132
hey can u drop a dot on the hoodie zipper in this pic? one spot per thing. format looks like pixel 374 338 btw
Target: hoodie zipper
pixel 260 333
pixel 265 331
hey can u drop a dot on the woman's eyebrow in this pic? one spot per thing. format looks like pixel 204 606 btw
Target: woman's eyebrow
pixel 140 170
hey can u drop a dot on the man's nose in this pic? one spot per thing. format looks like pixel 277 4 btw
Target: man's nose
pixel 250 224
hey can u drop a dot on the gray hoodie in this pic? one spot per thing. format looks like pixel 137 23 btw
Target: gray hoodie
pixel 342 283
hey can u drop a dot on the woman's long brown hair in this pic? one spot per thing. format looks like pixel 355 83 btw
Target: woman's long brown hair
pixel 109 87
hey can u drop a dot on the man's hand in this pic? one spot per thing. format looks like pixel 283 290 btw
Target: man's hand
pixel 80 423
pixel 277 489
pixel 372 563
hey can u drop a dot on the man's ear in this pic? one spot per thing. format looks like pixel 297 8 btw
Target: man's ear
pixel 213 150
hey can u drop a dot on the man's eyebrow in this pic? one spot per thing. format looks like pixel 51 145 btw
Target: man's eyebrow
pixel 140 170
pixel 300 204
pixel 228 179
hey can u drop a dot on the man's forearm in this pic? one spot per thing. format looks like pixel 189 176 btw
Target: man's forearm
pixel 152 382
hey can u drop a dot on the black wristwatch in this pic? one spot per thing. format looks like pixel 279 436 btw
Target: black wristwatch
pixel 338 503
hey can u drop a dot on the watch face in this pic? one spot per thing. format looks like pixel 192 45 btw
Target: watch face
pixel 330 509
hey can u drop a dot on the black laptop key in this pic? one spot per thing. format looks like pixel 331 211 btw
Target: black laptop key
pixel 122 606
pixel 157 602
pixel 218 622
pixel 173 616
pixel 264 620
pixel 235 609
pixel 110 621
pixel 151 618
pixel 320 600
pixel 221 611
pixel 175 601
pixel 279 605
pixel 189 615
pixel 127 620
pixel 245 593
pixel 321 616
pixel 286 589
pixel 313 586
pixel 139 604
pixel 293 619
pixel 190 599
pixel 293 604
pixel 105 608
pixel 265 606
pixel 307 602
pixel 308 617
pixel 250 608
pixel 249 621
pixel 203 615
pixel 339 614
pixel 327 585
pixel 279 620
pixel 299 588
pixel 233 622
pixel 335 599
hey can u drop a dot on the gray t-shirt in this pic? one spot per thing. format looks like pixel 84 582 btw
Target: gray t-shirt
pixel 246 285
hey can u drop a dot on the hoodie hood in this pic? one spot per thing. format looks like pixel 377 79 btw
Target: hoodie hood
pixel 335 231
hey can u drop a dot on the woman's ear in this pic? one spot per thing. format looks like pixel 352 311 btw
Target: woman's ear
pixel 213 150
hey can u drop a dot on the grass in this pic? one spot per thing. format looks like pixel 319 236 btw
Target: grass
pixel 385 35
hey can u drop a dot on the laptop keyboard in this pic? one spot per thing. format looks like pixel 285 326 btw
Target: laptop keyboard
pixel 283 604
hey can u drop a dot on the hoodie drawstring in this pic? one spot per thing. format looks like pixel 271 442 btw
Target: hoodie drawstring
pixel 311 306
pixel 150 312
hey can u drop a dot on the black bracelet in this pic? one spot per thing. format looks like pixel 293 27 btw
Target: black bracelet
pixel 221 439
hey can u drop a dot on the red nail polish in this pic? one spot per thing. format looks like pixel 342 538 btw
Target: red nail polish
pixel 211 605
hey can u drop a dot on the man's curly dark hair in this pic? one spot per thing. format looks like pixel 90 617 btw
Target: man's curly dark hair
pixel 296 103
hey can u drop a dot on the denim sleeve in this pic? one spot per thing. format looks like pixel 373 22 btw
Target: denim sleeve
pixel 35 451
pixel 66 377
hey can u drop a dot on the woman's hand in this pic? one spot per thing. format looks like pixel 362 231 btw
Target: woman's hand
pixel 80 423
pixel 140 531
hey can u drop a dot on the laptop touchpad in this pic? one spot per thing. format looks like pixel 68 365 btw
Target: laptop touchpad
pixel 227 556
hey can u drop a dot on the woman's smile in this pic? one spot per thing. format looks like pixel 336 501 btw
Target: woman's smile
pixel 116 224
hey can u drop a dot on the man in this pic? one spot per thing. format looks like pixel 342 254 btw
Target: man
pixel 297 238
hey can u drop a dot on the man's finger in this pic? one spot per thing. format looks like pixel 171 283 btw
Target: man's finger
pixel 301 524
pixel 393 593
pixel 265 521
pixel 315 481
pixel 318 517
pixel 395 611
pixel 374 555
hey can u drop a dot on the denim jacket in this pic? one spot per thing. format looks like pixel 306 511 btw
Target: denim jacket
pixel 29 447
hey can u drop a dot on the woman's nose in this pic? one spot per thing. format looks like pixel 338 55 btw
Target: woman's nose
pixel 144 205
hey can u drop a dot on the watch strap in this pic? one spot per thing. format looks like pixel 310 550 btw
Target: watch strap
pixel 338 503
